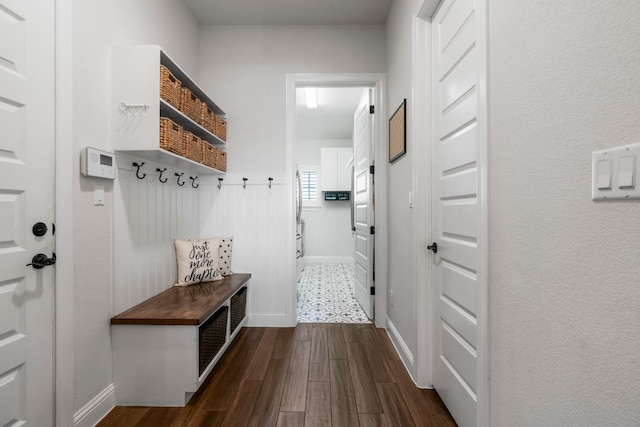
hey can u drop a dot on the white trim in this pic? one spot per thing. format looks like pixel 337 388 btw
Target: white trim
pixel 96 409
pixel 484 369
pixel 327 259
pixel 64 158
pixel 377 82
pixel 401 347
pixel 269 320
pixel 421 145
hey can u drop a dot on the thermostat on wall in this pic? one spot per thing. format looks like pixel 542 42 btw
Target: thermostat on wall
pixel 97 163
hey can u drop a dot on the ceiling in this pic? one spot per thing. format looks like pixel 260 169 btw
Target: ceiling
pixel 333 119
pixel 290 12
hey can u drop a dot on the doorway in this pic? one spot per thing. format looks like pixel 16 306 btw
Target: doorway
pixel 322 230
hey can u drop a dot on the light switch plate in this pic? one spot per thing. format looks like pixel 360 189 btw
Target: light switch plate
pixel 614 173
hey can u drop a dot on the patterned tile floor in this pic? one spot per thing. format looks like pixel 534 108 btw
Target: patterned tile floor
pixel 325 295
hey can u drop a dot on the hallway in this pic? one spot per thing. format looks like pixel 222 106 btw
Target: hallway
pixel 313 375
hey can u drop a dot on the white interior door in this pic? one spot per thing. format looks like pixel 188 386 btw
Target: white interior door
pixel 456 216
pixel 26 197
pixel 363 204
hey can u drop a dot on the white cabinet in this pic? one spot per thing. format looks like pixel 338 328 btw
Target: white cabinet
pixel 136 106
pixel 335 174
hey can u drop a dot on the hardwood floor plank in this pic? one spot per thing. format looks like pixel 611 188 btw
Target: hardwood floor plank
pixel 319 362
pixel 240 411
pixel 294 395
pixel 422 410
pixel 258 366
pixel 375 356
pixel 123 416
pixel 395 410
pixel 386 345
pixel 284 343
pixel 343 405
pixel 318 413
pixel 291 419
pixel 364 387
pixel 158 417
pixel 372 420
pixel 335 339
pixel 204 419
pixel 223 393
pixel 254 334
pixel 267 407
pixel 445 416
pixel 351 332
pixel 303 331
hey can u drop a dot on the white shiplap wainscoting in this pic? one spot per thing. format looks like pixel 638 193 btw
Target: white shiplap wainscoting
pixel 148 216
pixel 256 218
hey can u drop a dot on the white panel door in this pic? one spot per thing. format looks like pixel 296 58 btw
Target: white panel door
pixel 455 210
pixel 363 205
pixel 26 197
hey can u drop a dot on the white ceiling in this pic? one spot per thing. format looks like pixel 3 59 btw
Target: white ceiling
pixel 333 119
pixel 289 12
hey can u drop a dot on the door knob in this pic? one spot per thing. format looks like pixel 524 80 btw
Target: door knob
pixel 41 261
pixel 39 229
pixel 433 248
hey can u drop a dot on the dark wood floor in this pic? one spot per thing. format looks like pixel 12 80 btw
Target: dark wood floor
pixel 311 375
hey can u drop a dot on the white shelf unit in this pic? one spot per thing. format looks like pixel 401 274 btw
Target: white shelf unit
pixel 135 76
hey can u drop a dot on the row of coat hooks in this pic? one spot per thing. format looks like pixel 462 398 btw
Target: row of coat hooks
pixel 180 182
pixel 244 182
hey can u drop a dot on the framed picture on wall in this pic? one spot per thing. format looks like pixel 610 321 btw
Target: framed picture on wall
pixel 398 133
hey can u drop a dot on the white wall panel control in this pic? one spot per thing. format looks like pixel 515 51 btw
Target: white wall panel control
pixel 614 173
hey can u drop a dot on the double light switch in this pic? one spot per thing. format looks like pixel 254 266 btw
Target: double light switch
pixel 614 173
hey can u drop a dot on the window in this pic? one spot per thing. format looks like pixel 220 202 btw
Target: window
pixel 309 176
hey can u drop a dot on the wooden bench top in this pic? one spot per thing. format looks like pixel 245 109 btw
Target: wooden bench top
pixel 183 305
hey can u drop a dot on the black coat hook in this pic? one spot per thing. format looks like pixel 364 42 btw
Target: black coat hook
pixel 138 170
pixel 193 181
pixel 220 183
pixel 270 181
pixel 179 175
pixel 161 172
pixel 244 183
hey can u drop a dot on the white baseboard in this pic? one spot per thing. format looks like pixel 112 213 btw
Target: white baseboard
pixel 96 409
pixel 401 347
pixel 327 259
pixel 269 320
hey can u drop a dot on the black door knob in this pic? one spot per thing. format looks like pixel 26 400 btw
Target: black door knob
pixel 433 248
pixel 39 229
pixel 41 261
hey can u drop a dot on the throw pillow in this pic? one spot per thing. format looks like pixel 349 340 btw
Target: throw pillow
pixel 197 261
pixel 225 251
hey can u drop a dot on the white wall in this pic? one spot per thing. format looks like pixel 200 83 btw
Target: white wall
pixel 97 26
pixel 401 235
pixel 564 271
pixel 328 229
pixel 244 68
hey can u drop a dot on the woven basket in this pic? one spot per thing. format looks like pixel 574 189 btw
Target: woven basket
pixel 220 128
pixel 238 308
pixel 221 160
pixel 212 336
pixel 192 147
pixel 190 105
pixel 209 155
pixel 206 119
pixel 170 87
pixel 171 138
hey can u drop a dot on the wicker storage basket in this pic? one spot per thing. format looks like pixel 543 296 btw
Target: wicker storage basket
pixel 190 104
pixel 208 155
pixel 213 334
pixel 192 147
pixel 170 87
pixel 238 308
pixel 171 138
pixel 220 128
pixel 206 117
pixel 221 160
